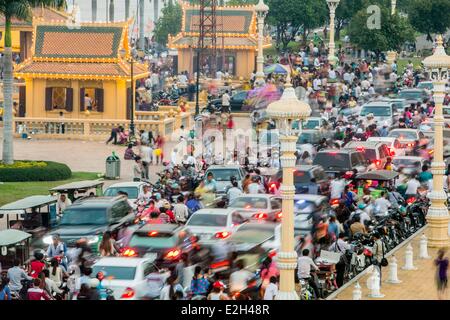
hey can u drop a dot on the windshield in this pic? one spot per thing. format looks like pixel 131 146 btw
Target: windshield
pixel 84 216
pixel 208 220
pixel 446 111
pixel 306 137
pixel 157 241
pixel 252 235
pixel 330 160
pixel 425 85
pixel 224 174
pixel 116 273
pixel 131 191
pixel 377 111
pixel 410 95
pixel 303 205
pixel 406 162
pixel 403 135
pixel 311 124
pixel 301 176
pixel 369 154
pixel 249 203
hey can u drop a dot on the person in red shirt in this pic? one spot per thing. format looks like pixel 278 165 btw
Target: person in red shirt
pixel 36 293
pixel 230 122
pixel 37 265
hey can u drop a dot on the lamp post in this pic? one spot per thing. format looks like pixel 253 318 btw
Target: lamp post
pixel 285 111
pixel 261 12
pixel 393 6
pixel 332 5
pixel 392 55
pixel 438 217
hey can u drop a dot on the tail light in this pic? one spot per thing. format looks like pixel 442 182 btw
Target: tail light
pixel 279 215
pixel 391 152
pixel 430 151
pixel 260 216
pixel 128 252
pixel 222 234
pixel 128 293
pixel 173 254
pixel 334 202
pixel 377 162
pixel 220 264
pixel 410 144
pixel 153 233
pixel 411 200
pixel 360 149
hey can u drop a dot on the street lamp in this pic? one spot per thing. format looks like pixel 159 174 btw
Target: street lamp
pixel 437 66
pixel 285 111
pixel 261 12
pixel 393 6
pixel 392 55
pixel 332 5
pixel 130 59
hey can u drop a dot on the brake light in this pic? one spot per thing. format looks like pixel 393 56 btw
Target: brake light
pixel 411 200
pixel 173 254
pixel 222 234
pixel 128 293
pixel 153 233
pixel 273 185
pixel 279 215
pixel 248 206
pixel 334 201
pixel 430 151
pixel 260 216
pixel 410 144
pixel 391 152
pixel 377 162
pixel 128 252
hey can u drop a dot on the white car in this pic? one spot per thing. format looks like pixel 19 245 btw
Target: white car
pixel 125 275
pixel 212 224
pixel 392 143
pixel 408 164
pixel 133 189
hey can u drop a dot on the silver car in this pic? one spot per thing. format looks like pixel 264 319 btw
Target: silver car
pixel 258 206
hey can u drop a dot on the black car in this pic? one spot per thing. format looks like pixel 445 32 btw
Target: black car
pixel 168 241
pixel 90 217
pixel 237 101
pixel 339 161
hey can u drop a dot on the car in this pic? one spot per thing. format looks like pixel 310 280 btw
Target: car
pixel 126 276
pixel 392 143
pixel 398 103
pixel 223 173
pixel 426 85
pixel 258 206
pixel 305 206
pixel 376 152
pixel 413 95
pixel 214 224
pixel 237 101
pixel 307 179
pixel 408 164
pixel 313 123
pixel 339 161
pixel 408 138
pixel 312 136
pixel 383 112
pixel 90 217
pixel 168 241
pixel 132 188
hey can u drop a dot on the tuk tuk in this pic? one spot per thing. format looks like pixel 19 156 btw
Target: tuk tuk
pixel 376 181
pixel 14 244
pixel 79 189
pixel 34 214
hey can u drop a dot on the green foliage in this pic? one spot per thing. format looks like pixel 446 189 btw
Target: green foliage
pixel 168 23
pixel 393 32
pixel 35 171
pixel 241 2
pixel 429 16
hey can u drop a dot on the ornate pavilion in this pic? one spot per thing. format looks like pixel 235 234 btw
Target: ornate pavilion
pixel 67 63
pixel 237 40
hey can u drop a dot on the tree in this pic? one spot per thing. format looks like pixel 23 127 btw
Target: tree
pixel 344 13
pixel 168 23
pixel 20 9
pixel 393 31
pixel 241 2
pixel 291 16
pixel 429 16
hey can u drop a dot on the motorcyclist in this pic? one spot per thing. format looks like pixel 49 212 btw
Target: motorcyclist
pixel 56 248
pixel 15 275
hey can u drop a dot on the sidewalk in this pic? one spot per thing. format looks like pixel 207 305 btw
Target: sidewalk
pixel 417 284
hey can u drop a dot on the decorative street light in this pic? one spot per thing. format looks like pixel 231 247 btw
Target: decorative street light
pixel 332 5
pixel 285 111
pixel 261 12
pixel 437 66
pixel 130 59
pixel 393 6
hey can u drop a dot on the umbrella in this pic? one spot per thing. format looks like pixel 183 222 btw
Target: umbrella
pixel 277 68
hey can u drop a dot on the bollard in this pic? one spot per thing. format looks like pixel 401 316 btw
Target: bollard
pixel 409 254
pixel 393 278
pixel 369 278
pixel 423 249
pixel 375 291
pixel 357 293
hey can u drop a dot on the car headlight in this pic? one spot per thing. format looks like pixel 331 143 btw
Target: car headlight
pixel 48 240
pixel 92 240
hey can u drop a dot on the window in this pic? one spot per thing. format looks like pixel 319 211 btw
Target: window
pixel 58 98
pixel 131 191
pixel 116 273
pixel 84 216
pixel 149 268
pixel 119 210
pixel 208 220
pixel 236 218
pixel 276 204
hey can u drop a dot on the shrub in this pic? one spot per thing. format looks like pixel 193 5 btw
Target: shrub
pixel 22 171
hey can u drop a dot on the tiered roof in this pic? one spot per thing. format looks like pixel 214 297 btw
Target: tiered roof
pixel 38 14
pixel 236 28
pixel 87 51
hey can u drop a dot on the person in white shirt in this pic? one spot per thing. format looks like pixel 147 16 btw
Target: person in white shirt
pixel 305 265
pixel 272 289
pixel 219 75
pixel 145 195
pixel 62 203
pixel 382 204
pixel 180 210
pixel 332 73
pixel 411 187
pixel 234 192
pixel 147 158
pixel 340 245
pixel 347 77
pixel 337 186
pixel 239 278
pixel 317 84
pixel 253 187
pixel 365 85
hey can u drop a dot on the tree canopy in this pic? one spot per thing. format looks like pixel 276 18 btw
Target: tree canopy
pixel 429 16
pixel 168 23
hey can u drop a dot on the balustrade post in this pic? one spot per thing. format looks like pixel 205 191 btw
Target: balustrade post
pixel 86 128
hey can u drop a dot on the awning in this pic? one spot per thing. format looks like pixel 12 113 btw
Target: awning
pixel 382 175
pixel 78 185
pixel 29 202
pixel 12 236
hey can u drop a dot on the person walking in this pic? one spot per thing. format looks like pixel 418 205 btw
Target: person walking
pixel 226 102
pixel 441 275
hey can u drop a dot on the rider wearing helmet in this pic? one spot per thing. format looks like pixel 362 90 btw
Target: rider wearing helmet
pixel 37 265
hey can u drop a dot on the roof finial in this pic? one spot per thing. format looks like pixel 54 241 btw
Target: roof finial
pixel 439 40
pixel 288 83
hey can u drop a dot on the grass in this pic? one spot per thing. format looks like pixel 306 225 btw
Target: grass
pixel 12 191
pixel 401 63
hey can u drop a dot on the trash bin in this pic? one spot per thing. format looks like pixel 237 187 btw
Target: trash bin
pixel 112 167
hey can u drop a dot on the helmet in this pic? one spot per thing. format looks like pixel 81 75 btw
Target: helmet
pixel 218 284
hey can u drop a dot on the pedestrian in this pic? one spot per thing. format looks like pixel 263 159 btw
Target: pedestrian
pixel 379 249
pixel 199 284
pixel 146 153
pixel 113 136
pixel 441 275
pixel 226 102
pixel 272 289
pixel 107 247
pixel 137 169
pixel 181 210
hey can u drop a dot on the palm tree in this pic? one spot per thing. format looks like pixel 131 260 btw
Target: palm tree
pixel 94 10
pixel 20 9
